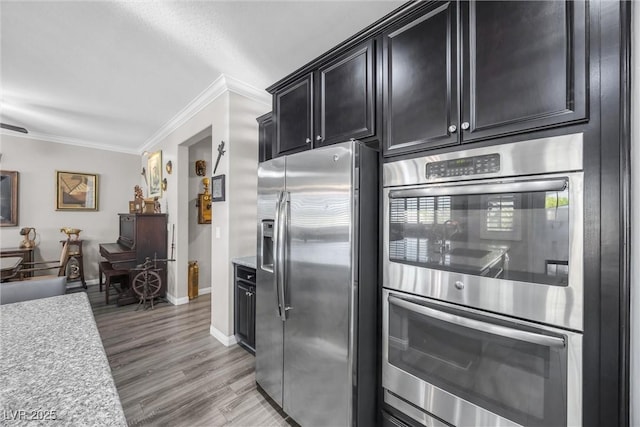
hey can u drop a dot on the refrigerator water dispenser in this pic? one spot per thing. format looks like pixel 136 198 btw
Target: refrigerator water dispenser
pixel 266 246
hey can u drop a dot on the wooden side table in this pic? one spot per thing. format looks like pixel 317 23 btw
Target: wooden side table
pixel 75 263
pixel 25 253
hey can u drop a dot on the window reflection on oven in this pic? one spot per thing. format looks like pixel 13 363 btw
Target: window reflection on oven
pixel 521 381
pixel 515 236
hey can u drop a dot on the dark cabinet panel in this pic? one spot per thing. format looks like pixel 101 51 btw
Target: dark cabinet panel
pixel 294 116
pixel 242 311
pixel 346 97
pixel 420 90
pixel 524 66
pixel 245 307
pixel 265 137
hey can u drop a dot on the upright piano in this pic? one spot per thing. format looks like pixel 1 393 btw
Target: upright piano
pixel 141 236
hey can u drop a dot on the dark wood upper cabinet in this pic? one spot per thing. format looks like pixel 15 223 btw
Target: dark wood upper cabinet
pixel 521 67
pixel 340 106
pixel 265 137
pixel 420 81
pixel 293 116
pixel 524 66
pixel 345 104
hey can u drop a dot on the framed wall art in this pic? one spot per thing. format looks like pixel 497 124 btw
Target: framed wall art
pixel 154 169
pixel 217 188
pixel 76 191
pixel 8 198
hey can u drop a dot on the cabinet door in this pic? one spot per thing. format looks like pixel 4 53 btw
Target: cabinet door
pixel 524 66
pixel 420 82
pixel 345 97
pixel 265 137
pixel 242 311
pixel 294 116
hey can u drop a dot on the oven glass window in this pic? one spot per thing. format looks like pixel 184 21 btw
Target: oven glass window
pixel 514 236
pixel 518 380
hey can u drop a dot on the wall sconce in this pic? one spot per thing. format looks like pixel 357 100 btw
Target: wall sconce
pixel 164 184
pixel 169 167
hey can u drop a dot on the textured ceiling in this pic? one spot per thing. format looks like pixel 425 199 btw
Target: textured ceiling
pixel 111 74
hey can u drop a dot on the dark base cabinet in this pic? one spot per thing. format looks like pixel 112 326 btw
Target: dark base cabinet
pixel 245 307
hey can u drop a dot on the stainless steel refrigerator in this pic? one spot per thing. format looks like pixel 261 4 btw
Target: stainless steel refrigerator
pixel 316 286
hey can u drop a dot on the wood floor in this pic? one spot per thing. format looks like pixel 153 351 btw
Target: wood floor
pixel 170 371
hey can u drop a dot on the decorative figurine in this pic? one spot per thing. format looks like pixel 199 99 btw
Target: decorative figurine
pixel 71 232
pixel 137 190
pixel 28 241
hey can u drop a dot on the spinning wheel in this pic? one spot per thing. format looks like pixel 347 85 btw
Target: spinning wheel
pixel 146 284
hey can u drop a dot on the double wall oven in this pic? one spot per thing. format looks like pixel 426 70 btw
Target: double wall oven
pixel 483 278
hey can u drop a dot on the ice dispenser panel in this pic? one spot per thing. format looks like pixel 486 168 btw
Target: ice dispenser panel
pixel 266 250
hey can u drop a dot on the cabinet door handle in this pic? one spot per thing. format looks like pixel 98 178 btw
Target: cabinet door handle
pixel 249 276
pixel 453 128
pixel 318 138
pixel 464 125
pixel 308 140
pixel 246 293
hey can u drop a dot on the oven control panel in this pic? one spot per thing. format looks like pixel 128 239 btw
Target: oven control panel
pixel 466 166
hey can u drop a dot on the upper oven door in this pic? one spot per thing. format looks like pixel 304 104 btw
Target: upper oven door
pixel 512 246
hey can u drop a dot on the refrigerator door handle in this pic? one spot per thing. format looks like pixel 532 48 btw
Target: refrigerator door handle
pixel 276 249
pixel 282 247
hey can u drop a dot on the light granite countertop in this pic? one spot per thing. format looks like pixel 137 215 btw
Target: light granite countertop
pixel 53 368
pixel 247 261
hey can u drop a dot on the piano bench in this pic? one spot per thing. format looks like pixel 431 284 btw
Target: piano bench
pixel 111 274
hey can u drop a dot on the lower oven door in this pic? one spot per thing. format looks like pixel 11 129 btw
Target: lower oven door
pixel 467 367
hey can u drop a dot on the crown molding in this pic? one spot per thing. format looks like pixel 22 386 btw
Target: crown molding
pixel 69 141
pixel 219 86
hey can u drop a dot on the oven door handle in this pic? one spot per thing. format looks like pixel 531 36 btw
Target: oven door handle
pixel 491 328
pixel 487 188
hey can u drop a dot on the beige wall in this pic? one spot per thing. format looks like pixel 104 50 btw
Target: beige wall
pixel 37 161
pixel 199 234
pixel 231 118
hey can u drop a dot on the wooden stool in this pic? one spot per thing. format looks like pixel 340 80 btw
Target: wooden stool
pixel 110 273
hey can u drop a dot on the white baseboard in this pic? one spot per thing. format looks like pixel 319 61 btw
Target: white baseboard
pixel 185 300
pixel 177 301
pixel 227 341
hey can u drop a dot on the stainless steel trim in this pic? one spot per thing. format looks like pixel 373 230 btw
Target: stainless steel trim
pixel 488 188
pixel 282 246
pixel 410 410
pixel 352 350
pixel 276 250
pixel 490 328
pixel 458 411
pixel 554 305
pixel 537 156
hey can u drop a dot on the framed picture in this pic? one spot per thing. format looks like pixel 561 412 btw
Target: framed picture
pixel 76 191
pixel 154 169
pixel 217 188
pixel 8 198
